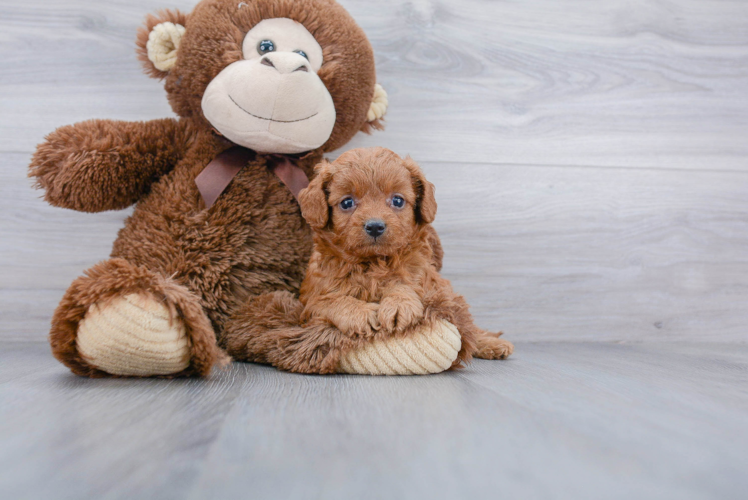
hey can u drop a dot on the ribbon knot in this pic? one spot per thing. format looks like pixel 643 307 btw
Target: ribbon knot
pixel 218 174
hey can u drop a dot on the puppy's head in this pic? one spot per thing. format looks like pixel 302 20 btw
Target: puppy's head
pixel 369 202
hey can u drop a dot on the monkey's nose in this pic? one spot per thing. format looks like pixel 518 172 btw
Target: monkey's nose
pixel 375 227
pixel 285 62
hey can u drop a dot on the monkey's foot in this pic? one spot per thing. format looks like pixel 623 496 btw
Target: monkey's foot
pixel 124 320
pixel 428 350
pixel 134 335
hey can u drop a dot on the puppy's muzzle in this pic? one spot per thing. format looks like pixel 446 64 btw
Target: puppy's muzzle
pixel 375 227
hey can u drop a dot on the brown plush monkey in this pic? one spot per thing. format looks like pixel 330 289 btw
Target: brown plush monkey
pixel 215 223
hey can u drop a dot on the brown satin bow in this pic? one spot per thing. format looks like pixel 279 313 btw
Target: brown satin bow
pixel 215 178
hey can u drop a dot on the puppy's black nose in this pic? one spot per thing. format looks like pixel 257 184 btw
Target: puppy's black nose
pixel 375 227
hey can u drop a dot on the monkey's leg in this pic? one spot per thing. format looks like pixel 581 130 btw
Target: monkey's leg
pixel 123 320
pixel 429 347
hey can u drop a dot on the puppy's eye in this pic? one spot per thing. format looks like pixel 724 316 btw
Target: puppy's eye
pixel 265 46
pixel 302 54
pixel 398 201
pixel 347 204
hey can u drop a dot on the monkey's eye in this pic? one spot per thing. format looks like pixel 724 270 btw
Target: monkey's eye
pixel 347 204
pixel 302 54
pixel 265 46
pixel 398 201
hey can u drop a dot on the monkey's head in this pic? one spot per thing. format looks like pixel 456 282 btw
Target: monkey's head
pixel 275 76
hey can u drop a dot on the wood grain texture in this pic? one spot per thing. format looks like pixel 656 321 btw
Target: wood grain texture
pixel 590 158
pixel 615 83
pixel 558 420
pixel 658 84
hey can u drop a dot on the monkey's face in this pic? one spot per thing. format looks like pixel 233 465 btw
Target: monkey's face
pixel 272 100
pixel 276 76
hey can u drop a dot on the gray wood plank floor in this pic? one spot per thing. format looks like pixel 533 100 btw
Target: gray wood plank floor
pixel 591 166
pixel 559 420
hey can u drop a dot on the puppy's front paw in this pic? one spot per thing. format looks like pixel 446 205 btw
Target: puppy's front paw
pixel 397 314
pixel 372 318
pixel 360 321
pixel 490 347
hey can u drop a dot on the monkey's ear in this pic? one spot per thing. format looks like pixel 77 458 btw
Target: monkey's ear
pixel 158 41
pixel 425 200
pixel 377 109
pixel 313 199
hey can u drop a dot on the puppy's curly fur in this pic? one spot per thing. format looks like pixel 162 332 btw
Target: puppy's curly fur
pixel 361 285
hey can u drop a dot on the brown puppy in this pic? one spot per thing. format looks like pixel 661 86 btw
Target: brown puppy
pixel 372 273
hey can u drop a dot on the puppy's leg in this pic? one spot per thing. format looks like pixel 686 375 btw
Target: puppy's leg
pixel 442 302
pixel 248 334
pixel 400 308
pixel 266 330
pixel 353 317
pixel 489 346
pixel 483 344
pixel 313 349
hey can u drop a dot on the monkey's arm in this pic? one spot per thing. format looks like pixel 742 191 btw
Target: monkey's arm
pixel 100 165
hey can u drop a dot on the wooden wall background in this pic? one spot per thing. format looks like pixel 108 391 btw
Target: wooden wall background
pixel 590 158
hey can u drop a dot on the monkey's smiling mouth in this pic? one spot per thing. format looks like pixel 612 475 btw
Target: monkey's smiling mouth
pixel 270 119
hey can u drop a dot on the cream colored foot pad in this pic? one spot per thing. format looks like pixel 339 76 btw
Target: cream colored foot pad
pixel 131 335
pixel 428 351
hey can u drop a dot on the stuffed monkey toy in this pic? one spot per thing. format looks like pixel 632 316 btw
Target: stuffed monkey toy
pixel 261 89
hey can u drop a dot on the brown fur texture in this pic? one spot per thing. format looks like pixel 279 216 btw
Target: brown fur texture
pixel 116 278
pixel 204 263
pixel 359 288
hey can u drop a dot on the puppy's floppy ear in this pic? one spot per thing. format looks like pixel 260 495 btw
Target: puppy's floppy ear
pixel 313 199
pixel 425 201
pixel 158 41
